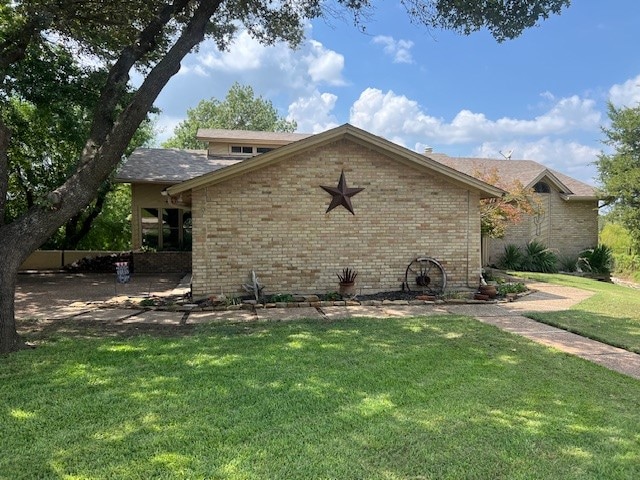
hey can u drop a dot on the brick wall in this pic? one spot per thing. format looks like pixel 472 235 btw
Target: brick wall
pixel 566 227
pixel 161 262
pixel 273 221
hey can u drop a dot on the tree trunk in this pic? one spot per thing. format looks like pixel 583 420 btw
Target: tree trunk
pixel 10 341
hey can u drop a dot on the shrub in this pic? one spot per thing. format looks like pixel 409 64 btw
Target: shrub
pixel 567 263
pixel 505 288
pixel 281 298
pixel 512 258
pixel 538 258
pixel 596 260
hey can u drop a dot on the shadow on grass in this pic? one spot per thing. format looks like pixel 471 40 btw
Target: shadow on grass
pixel 436 397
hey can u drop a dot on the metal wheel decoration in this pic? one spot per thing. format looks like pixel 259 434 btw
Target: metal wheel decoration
pixel 425 274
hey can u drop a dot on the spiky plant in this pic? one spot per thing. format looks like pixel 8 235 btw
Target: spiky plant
pixel 596 260
pixel 539 258
pixel 512 257
pixel 348 275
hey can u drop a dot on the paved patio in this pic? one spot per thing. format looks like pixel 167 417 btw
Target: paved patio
pixel 63 296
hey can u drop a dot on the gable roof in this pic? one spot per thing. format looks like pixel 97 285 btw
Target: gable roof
pixel 346 131
pixel 527 172
pixel 169 165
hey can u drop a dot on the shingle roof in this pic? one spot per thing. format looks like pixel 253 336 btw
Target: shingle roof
pixel 527 171
pixel 170 166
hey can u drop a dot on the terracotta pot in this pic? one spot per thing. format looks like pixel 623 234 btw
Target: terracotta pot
pixel 490 290
pixel 347 289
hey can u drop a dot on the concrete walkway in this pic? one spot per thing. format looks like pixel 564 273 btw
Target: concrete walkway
pixel 37 298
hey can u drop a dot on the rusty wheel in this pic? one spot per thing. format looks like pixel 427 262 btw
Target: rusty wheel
pixel 425 274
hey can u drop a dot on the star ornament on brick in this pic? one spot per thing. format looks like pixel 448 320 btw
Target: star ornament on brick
pixel 341 195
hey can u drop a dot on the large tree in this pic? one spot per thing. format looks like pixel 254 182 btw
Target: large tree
pixel 50 100
pixel 619 171
pixel 240 110
pixel 152 37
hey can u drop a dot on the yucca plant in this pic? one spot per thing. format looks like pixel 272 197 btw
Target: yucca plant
pixel 348 275
pixel 512 258
pixel 538 258
pixel 568 263
pixel 596 260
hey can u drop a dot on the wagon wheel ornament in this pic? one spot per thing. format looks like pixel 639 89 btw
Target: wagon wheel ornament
pixel 425 274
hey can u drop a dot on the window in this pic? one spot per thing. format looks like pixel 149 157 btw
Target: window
pixel 166 228
pixel 541 187
pixel 263 149
pixel 241 149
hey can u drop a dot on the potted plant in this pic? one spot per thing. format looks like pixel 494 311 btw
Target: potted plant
pixel 347 282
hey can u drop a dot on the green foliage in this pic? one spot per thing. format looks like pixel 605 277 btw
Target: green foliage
pixel 504 288
pixel 568 263
pixel 596 260
pixel 48 110
pixel 111 230
pixel 535 258
pixel 240 110
pixel 332 297
pixel 619 171
pixel 512 257
pixel 616 237
pixel 538 258
pixel 281 298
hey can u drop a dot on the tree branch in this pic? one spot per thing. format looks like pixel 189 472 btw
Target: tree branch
pixel 115 86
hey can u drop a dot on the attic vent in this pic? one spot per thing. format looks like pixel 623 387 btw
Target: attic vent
pixel 428 150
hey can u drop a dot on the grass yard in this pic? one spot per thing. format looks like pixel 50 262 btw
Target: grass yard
pixel 428 397
pixel 611 316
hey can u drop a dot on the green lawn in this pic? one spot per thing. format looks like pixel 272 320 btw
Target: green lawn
pixel 429 397
pixel 612 315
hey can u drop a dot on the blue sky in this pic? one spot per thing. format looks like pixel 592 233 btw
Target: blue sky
pixel 543 95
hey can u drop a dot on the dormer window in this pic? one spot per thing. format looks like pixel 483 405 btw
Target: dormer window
pixel 542 187
pixel 243 149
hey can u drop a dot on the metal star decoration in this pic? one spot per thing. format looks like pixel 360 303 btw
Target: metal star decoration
pixel 341 195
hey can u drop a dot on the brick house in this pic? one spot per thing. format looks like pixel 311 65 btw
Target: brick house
pixel 568 222
pixel 279 204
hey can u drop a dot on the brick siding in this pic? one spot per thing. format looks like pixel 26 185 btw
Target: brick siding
pixel 273 221
pixel 566 227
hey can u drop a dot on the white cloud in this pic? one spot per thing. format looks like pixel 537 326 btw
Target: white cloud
pixel 395 115
pixel 403 121
pixel 399 50
pixel 626 94
pixel 313 113
pixel 324 66
pixel 276 72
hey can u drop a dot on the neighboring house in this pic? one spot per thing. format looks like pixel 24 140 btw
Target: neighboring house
pixel 278 204
pixel 568 222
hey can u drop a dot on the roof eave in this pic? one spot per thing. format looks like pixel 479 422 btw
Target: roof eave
pixel 364 138
pixel 579 198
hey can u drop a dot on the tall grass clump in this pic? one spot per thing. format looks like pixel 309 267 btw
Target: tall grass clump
pixel 539 258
